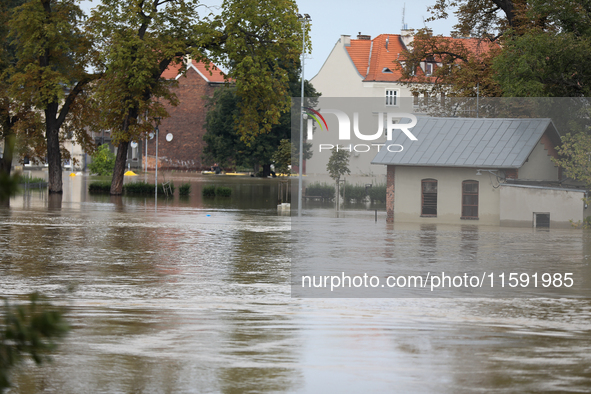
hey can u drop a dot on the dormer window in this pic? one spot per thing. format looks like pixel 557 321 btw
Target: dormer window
pixel 386 70
pixel 428 69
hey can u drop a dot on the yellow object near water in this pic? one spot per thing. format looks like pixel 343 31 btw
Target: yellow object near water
pixel 130 173
pixel 72 174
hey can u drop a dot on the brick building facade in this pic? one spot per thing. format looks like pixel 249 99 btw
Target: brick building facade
pixel 187 120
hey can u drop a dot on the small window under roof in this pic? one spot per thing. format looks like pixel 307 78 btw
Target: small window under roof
pixel 386 70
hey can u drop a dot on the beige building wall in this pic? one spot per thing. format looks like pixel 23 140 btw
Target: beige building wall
pixel 539 166
pixel 338 77
pixel 519 203
pixel 407 195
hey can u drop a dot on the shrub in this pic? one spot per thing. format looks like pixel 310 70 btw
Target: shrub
pixel 103 161
pixel 27 180
pixel 321 190
pixel 99 187
pixel 185 189
pixel 32 182
pixel 353 192
pixel 219 191
pixel 377 193
pixel 208 191
pixel 222 191
pixel 144 188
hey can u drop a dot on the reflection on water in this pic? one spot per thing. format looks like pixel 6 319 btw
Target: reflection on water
pixel 195 298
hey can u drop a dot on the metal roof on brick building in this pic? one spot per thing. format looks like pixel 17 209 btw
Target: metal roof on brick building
pixel 468 142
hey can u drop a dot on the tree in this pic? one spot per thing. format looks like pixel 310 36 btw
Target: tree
pixel 12 113
pixel 542 47
pixel 103 161
pixel 459 66
pixel 338 165
pixel 575 157
pixel 225 144
pixel 282 156
pixel 140 39
pixel 52 53
pixel 28 330
pixel 464 60
pixel 547 56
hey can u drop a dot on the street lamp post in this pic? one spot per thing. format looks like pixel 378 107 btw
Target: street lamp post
pixel 156 176
pixel 304 19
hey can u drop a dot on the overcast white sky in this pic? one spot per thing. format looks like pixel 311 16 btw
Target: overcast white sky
pixel 331 18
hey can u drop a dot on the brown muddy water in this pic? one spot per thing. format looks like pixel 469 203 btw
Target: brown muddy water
pixel 195 297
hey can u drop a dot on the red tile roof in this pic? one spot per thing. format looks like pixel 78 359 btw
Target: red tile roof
pixel 359 53
pixel 373 57
pixel 213 75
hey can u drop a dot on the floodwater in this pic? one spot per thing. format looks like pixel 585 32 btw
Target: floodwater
pixel 195 297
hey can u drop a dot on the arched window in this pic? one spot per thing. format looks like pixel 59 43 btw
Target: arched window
pixel 470 200
pixel 429 197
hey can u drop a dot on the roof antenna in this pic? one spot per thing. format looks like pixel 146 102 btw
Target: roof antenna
pixel 424 24
pixel 404 27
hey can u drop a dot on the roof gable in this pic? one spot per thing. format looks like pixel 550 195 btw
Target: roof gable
pixel 468 142
pixel 214 74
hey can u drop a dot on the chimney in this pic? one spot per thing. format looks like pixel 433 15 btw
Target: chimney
pixel 406 35
pixel 346 40
pixel 363 37
pixel 387 41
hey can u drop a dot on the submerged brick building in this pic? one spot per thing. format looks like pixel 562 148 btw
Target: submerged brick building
pixel 186 123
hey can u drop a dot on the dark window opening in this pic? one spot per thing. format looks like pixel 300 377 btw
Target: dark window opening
pixel 429 197
pixel 470 200
pixel 542 220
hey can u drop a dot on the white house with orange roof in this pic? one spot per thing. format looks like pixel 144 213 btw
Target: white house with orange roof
pixel 365 68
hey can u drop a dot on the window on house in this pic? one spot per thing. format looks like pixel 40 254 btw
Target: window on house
pixel 428 197
pixel 391 96
pixel 428 68
pixel 470 200
pixel 541 219
pixel 386 70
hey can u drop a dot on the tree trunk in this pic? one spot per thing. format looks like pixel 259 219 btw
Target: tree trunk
pixel 119 170
pixel 54 201
pixel 6 162
pixel 54 157
pixel 266 170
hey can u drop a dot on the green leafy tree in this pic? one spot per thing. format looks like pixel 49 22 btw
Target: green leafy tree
pixel 542 49
pixel 282 157
pixel 52 52
pixel 103 161
pixel 17 119
pixel 225 144
pixel 140 39
pixel 338 163
pixel 546 57
pixel 31 330
pixel 575 153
